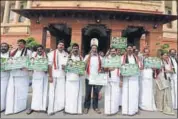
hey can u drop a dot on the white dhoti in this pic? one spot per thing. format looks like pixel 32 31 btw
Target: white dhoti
pixel 112 98
pixel 130 95
pixel 56 95
pixel 73 100
pixel 4 83
pixel 40 91
pixel 17 92
pixel 56 100
pixel 120 97
pixel 147 99
pixel 174 90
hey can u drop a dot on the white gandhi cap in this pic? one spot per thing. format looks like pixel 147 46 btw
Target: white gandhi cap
pixel 94 41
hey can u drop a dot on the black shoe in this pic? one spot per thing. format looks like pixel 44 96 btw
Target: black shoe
pixel 97 111
pixel 85 111
pixel 29 112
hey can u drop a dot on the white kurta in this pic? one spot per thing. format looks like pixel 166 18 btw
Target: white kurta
pixel 112 94
pixel 57 88
pixel 73 100
pixel 93 64
pixel 17 92
pixel 174 84
pixel 4 83
pixel 173 78
pixel 40 89
pixel 130 92
pixel 147 99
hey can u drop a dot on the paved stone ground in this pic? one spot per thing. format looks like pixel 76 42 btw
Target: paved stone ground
pixel 91 114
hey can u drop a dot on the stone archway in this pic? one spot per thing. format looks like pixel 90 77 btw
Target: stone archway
pixel 101 32
pixel 133 34
pixel 61 32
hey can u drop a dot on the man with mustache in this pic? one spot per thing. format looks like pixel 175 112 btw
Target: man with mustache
pixel 173 60
pixel 93 62
pixel 112 89
pixel 73 94
pixel 130 88
pixel 17 92
pixel 57 60
pixel 4 75
pixel 39 85
pixel 147 99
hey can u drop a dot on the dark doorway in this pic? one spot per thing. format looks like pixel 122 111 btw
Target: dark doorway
pixel 133 34
pixel 95 31
pixel 61 32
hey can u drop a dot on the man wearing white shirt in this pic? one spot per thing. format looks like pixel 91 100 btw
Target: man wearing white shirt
pixel 147 99
pixel 57 60
pixel 39 85
pixel 73 100
pixel 17 91
pixel 130 88
pixel 93 62
pixel 172 54
pixel 4 75
pixel 112 89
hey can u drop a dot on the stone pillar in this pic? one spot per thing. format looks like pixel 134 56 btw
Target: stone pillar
pixel 163 7
pixel 16 16
pixel 174 12
pixel 29 3
pixel 164 11
pixel 6 11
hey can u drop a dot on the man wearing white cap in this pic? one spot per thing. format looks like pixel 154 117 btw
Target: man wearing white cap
pixel 93 62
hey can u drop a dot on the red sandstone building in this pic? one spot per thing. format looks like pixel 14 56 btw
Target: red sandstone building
pixel 81 22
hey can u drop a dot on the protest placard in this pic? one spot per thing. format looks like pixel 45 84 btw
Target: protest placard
pixel 16 63
pixel 77 67
pixel 112 62
pixel 129 70
pixel 98 79
pixel 38 64
pixel 3 61
pixel 119 42
pixel 152 62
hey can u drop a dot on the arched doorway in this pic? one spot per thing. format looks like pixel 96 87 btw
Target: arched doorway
pixel 95 31
pixel 133 34
pixel 61 32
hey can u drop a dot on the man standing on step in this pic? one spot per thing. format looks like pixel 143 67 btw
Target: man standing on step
pixel 4 75
pixel 57 60
pixel 39 85
pixel 73 100
pixel 93 63
pixel 17 91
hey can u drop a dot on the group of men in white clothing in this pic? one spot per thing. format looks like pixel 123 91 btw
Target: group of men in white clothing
pixel 56 90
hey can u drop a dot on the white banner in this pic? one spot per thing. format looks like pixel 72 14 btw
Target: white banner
pixel 98 79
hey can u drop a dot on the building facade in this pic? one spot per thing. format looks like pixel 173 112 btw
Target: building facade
pixel 142 22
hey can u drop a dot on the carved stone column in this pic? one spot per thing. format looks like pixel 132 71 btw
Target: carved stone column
pixel 16 16
pixel 174 12
pixel 6 12
pixel 29 3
